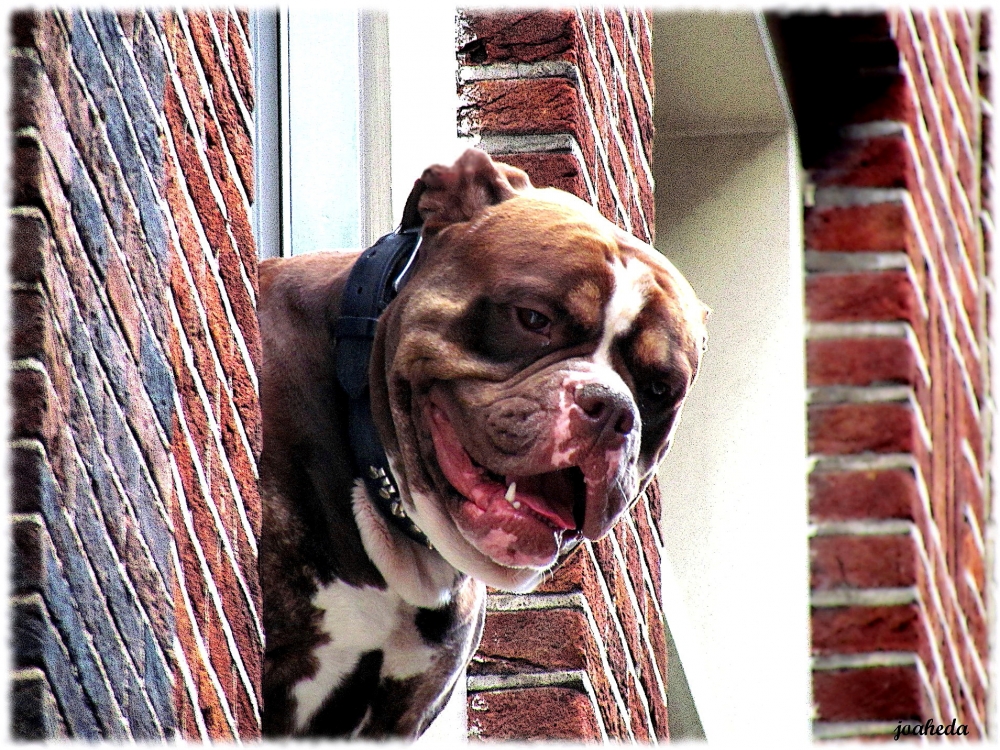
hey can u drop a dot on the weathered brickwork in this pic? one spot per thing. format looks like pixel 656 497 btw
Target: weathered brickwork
pixel 134 347
pixel 566 95
pixel 214 350
pixel 895 137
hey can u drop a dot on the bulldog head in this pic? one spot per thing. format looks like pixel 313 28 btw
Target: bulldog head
pixel 534 368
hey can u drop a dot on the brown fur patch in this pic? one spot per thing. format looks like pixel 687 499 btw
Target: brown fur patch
pixel 583 302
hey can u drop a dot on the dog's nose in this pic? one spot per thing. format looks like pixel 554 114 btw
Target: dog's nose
pixel 606 409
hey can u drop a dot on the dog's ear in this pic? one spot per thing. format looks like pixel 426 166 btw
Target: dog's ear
pixel 446 195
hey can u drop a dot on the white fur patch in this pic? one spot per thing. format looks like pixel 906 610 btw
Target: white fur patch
pixel 632 283
pixel 562 450
pixel 359 620
pixel 420 576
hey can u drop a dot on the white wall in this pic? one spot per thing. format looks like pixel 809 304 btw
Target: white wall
pixel 735 509
pixel 423 66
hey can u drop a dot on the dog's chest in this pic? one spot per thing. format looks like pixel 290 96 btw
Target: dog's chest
pixel 376 645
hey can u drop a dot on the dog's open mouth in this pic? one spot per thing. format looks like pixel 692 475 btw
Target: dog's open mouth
pixel 521 521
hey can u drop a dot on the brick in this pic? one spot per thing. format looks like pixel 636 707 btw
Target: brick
pixel 187 715
pixel 187 71
pixel 29 326
pixel 578 574
pixel 972 560
pixel 877 227
pixel 30 401
pixel 238 53
pixel 97 422
pixel 879 96
pixel 244 18
pixel 59 599
pixel 23 25
pixel 29 242
pixel 653 497
pixel 147 50
pixel 234 608
pixel 842 496
pixel 26 169
pixel 499 107
pixel 36 643
pixel 26 471
pixel 129 152
pixel 213 222
pixel 33 105
pixel 123 303
pixel 862 561
pixel 845 630
pixel 875 162
pixel 156 378
pixel 111 38
pixel 551 713
pixel 220 328
pixel 559 170
pixel 650 703
pixel 27 571
pixel 874 694
pixel 863 296
pixel 125 382
pixel 615 111
pixel 567 578
pixel 34 713
pixel 517 36
pixel 209 702
pixel 87 595
pixel 962 34
pixel 639 727
pixel 615 577
pixel 231 123
pixel 949 70
pixel 861 362
pixel 856 428
pixel 109 184
pixel 634 78
pixel 125 627
pixel 928 98
pixel 532 641
pixel 649 539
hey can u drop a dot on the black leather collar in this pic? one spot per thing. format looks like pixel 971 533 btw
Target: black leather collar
pixel 376 278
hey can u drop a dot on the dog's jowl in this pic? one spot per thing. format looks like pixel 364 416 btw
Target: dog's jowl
pixel 440 419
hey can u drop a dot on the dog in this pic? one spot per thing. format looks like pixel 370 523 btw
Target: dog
pixel 524 385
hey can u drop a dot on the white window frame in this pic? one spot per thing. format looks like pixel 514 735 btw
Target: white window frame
pixel 407 114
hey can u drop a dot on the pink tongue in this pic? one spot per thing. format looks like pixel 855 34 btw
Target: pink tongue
pixel 471 483
pixel 457 466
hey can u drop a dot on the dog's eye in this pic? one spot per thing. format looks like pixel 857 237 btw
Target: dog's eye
pixel 660 391
pixel 532 320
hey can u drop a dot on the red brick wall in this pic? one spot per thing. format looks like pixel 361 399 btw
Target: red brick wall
pixel 134 342
pixel 897 254
pixel 214 351
pixel 567 96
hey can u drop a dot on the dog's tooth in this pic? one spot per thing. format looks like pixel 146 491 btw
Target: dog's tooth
pixel 511 491
pixel 516 505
